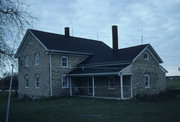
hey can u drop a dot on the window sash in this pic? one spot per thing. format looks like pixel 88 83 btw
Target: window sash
pixel 146 82
pixel 36 59
pixel 64 62
pixel 146 56
pixel 27 81
pixel 37 81
pixel 111 83
pixel 65 81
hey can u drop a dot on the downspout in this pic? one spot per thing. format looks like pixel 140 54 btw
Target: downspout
pixel 121 84
pixel 50 74
pixel 131 87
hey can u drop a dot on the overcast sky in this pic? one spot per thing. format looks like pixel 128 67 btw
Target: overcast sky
pixel 158 20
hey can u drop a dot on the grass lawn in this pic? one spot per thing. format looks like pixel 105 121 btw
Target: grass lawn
pixel 74 109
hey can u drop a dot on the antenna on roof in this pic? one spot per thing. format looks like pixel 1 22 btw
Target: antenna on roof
pixel 141 36
pixel 72 30
pixel 97 36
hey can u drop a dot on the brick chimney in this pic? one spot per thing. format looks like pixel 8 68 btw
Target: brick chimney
pixel 66 31
pixel 115 37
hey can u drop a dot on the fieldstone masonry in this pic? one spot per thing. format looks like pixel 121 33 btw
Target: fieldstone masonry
pixel 58 71
pixel 30 48
pixel 151 67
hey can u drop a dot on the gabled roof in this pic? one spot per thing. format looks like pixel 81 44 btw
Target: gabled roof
pixel 60 42
pixel 125 55
pixel 99 53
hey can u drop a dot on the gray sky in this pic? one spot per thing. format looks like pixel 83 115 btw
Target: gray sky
pixel 159 20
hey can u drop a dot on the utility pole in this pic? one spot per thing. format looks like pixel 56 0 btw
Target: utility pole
pixel 9 96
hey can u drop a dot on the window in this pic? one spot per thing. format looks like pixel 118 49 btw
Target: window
pixel 26 61
pixel 146 56
pixel 111 83
pixel 36 59
pixel 146 82
pixel 65 81
pixel 26 79
pixel 64 62
pixel 36 81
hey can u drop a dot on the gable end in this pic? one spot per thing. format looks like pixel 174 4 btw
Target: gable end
pixel 152 52
pixel 26 37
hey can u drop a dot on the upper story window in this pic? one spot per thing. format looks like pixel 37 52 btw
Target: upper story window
pixel 146 56
pixel 26 79
pixel 37 81
pixel 111 83
pixel 65 81
pixel 64 61
pixel 146 81
pixel 36 59
pixel 26 61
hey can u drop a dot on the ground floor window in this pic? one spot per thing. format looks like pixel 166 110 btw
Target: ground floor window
pixel 36 81
pixel 146 82
pixel 111 83
pixel 26 79
pixel 65 81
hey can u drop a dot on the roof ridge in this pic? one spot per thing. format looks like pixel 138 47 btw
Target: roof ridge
pixel 134 46
pixel 69 36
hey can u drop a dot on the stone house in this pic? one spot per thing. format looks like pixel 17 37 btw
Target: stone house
pixel 62 65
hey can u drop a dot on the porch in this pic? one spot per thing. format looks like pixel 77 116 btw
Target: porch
pixel 101 86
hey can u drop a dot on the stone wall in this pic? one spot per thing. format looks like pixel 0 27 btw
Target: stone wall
pixel 30 47
pixel 58 71
pixel 151 67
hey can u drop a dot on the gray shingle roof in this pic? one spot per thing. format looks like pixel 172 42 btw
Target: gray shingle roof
pixel 68 43
pixel 96 70
pixel 102 53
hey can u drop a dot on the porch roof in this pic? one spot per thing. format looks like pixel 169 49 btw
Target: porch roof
pixel 87 71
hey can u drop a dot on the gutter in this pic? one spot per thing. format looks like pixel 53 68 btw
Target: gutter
pixel 94 74
pixel 106 64
pixel 71 52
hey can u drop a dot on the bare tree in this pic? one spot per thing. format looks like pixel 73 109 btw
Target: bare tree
pixel 14 20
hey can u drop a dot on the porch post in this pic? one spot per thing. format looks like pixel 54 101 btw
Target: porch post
pixel 121 81
pixel 93 86
pixel 70 86
pixel 131 88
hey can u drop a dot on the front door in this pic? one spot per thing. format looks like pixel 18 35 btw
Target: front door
pixel 90 87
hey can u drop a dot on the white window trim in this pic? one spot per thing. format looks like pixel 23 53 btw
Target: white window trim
pixel 26 76
pixel 66 62
pixel 36 59
pixel 109 82
pixel 147 81
pixel 147 56
pixel 26 61
pixel 62 79
pixel 36 81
